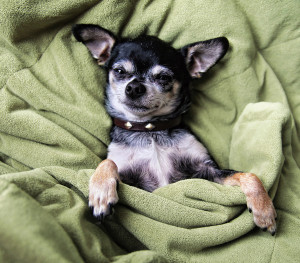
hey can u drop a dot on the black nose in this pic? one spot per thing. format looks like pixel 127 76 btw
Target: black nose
pixel 135 89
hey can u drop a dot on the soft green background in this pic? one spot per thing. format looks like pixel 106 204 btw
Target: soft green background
pixel 54 131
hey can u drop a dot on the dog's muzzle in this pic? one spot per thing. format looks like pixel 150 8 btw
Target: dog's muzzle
pixel 135 90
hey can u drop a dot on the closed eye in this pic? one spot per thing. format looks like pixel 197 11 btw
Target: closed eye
pixel 164 78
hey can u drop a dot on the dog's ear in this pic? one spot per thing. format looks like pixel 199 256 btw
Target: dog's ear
pixel 98 40
pixel 201 56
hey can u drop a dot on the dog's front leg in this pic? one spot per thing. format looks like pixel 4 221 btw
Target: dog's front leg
pixel 258 200
pixel 103 188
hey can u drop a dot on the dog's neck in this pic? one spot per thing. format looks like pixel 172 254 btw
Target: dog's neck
pixel 149 125
pixel 141 138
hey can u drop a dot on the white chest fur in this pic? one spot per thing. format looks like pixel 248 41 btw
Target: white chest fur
pixel 157 160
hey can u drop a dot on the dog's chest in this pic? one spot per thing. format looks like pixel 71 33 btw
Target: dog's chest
pixel 154 161
pixel 151 163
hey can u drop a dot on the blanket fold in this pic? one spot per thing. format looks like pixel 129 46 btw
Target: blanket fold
pixel 54 131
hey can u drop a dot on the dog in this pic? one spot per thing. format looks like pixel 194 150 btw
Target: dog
pixel 146 95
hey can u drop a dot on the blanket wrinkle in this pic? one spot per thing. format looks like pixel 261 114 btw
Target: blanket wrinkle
pixel 27 67
pixel 54 131
pixel 271 69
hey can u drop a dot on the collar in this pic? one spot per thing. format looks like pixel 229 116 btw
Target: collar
pixel 147 126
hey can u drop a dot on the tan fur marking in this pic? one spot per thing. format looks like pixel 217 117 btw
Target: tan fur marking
pixel 258 200
pixel 175 90
pixel 127 65
pixel 103 188
pixel 158 69
pixel 107 169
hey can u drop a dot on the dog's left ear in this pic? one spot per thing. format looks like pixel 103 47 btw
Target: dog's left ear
pixel 201 56
pixel 98 40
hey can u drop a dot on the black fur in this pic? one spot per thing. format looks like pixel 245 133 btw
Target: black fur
pixel 129 138
pixel 140 177
pixel 148 80
pixel 144 53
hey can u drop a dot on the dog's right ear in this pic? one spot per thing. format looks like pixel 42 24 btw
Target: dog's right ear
pixel 98 40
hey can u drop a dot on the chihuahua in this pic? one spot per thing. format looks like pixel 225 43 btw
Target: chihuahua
pixel 146 95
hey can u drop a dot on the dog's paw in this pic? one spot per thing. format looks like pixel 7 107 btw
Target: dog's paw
pixel 264 213
pixel 102 197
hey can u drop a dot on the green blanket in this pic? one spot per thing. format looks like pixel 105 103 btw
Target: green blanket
pixel 54 131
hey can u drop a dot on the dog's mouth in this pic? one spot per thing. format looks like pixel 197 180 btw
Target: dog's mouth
pixel 140 108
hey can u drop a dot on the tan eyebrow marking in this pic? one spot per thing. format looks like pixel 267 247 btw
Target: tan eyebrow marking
pixel 159 69
pixel 126 65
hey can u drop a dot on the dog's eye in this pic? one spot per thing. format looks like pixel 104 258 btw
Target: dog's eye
pixel 119 71
pixel 163 78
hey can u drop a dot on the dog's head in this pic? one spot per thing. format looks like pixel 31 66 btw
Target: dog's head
pixel 147 78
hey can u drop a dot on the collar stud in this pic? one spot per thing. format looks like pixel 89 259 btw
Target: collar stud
pixel 147 126
pixel 150 126
pixel 128 125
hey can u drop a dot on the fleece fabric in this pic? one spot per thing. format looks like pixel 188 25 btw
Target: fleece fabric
pixel 54 131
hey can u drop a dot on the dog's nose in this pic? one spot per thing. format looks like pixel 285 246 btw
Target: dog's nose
pixel 135 89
